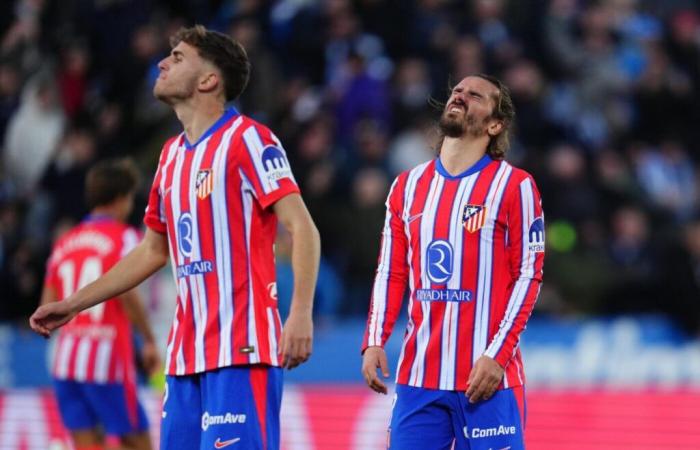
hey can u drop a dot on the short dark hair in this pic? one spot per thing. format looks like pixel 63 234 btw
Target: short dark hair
pixel 108 180
pixel 226 54
pixel 503 111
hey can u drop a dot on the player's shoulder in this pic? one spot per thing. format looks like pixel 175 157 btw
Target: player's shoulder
pixel 415 171
pixel 517 174
pixel 250 126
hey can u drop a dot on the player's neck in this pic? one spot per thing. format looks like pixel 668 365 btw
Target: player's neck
pixel 459 154
pixel 198 116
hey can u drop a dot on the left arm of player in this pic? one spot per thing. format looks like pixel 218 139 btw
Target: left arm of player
pixel 526 258
pixel 133 305
pixel 297 333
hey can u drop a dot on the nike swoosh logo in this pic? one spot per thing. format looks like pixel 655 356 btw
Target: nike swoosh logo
pixel 412 218
pixel 222 444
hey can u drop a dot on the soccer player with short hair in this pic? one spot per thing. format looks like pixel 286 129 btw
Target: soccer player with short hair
pixel 219 191
pixel 465 231
pixel 93 365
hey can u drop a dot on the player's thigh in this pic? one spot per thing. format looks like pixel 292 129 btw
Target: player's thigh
pixel 496 423
pixel 117 408
pixel 181 422
pixel 419 420
pixel 242 405
pixel 76 411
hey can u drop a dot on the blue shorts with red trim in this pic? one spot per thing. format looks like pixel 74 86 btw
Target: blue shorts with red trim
pixel 218 408
pixel 434 419
pixel 113 406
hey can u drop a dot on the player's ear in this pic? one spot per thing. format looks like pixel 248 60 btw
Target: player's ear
pixel 209 81
pixel 495 127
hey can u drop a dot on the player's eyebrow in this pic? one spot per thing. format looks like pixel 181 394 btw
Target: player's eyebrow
pixel 177 53
pixel 475 93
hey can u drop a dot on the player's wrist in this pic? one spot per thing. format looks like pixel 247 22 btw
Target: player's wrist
pixel 301 310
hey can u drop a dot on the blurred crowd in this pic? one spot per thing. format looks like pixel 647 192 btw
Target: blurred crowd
pixel 607 95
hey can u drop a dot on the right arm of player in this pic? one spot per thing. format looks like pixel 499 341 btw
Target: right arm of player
pixel 150 255
pixel 387 293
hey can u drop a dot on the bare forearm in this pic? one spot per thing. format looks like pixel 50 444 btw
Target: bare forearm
pixel 128 273
pixel 306 253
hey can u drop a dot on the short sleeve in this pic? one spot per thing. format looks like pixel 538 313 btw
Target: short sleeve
pixel 154 217
pixel 264 166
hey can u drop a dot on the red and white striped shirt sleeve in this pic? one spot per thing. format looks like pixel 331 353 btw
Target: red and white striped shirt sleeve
pixel 526 260
pixel 154 217
pixel 392 272
pixel 265 166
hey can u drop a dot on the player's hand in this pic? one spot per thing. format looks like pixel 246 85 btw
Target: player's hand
pixel 150 358
pixel 484 379
pixel 50 316
pixel 296 340
pixel 375 358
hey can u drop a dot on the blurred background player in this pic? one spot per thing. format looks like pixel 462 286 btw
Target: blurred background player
pixel 466 232
pixel 220 188
pixel 93 367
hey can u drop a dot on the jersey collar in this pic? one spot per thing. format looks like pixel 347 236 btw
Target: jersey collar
pixel 228 113
pixel 480 164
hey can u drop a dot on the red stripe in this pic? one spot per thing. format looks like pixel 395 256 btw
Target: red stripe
pixel 258 384
pixel 187 325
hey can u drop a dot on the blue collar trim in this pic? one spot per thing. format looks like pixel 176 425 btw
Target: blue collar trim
pixel 480 164
pixel 228 114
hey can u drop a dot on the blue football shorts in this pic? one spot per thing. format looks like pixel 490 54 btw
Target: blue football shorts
pixel 433 420
pixel 113 406
pixel 236 406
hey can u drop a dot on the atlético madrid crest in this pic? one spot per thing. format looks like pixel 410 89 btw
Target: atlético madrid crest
pixel 473 217
pixel 204 183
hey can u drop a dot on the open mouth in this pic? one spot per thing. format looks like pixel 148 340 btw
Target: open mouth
pixel 457 107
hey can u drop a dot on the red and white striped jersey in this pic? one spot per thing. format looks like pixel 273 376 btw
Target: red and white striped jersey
pixel 471 248
pixel 96 346
pixel 213 199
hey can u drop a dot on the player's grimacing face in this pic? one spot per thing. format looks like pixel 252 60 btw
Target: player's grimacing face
pixel 469 108
pixel 179 72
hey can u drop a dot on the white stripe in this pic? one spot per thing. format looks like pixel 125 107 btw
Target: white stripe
pixel 104 351
pixel 246 200
pixel 255 147
pixel 381 279
pixel 527 270
pixel 449 321
pixel 222 245
pixel 485 273
pixel 63 359
pixel 272 336
pixel 82 358
pixel 197 281
pixel 427 227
